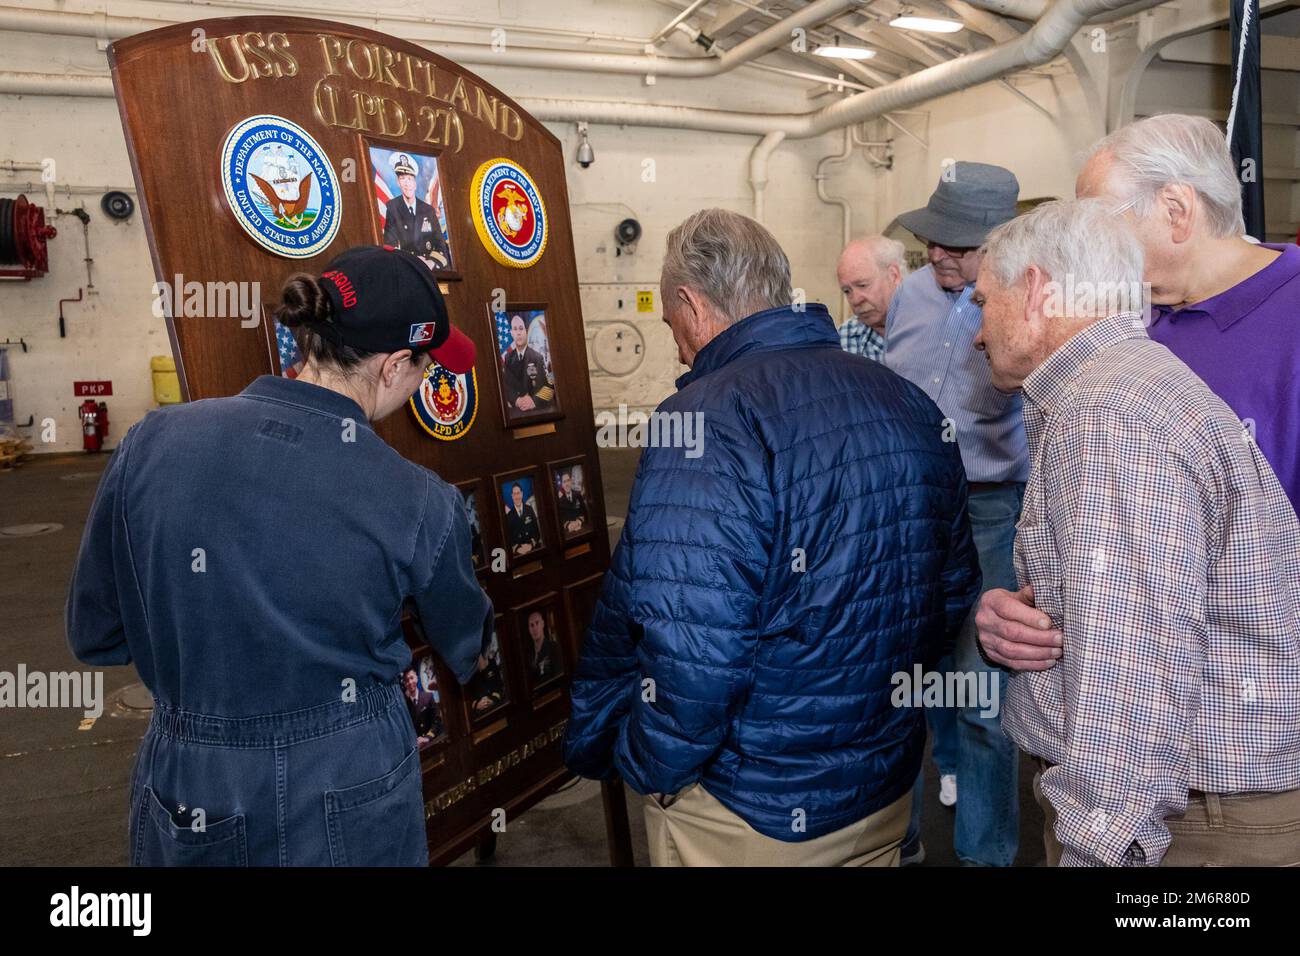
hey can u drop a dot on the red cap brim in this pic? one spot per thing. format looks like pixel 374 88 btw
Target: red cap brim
pixel 457 353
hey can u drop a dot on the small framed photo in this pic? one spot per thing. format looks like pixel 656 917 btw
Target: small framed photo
pixel 529 392
pixel 471 494
pixel 581 598
pixel 539 628
pixel 486 693
pixel 410 210
pixel 569 493
pixel 520 510
pixel 424 700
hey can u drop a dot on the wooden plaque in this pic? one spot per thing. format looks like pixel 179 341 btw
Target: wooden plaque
pixel 362 97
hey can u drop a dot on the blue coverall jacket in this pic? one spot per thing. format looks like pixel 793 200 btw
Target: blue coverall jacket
pixel 251 556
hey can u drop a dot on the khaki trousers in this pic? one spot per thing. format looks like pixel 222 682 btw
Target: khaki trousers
pixel 1240 829
pixel 694 829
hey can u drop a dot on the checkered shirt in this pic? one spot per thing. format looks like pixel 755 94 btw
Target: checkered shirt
pixel 1158 540
pixel 861 339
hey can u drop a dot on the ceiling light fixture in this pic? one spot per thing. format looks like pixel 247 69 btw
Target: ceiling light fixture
pixel 925 24
pixel 845 52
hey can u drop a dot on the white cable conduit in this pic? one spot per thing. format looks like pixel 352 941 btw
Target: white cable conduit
pixel 10 166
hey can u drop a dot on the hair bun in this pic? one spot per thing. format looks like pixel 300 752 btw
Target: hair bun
pixel 303 302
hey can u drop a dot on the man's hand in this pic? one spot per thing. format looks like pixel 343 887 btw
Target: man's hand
pixel 1014 633
pixel 525 403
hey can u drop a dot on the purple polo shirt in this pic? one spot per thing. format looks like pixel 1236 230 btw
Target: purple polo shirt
pixel 1245 344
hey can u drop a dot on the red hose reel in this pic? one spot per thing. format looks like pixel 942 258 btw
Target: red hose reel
pixel 23 234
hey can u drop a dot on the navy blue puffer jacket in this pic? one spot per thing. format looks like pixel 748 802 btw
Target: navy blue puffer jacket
pixel 765 591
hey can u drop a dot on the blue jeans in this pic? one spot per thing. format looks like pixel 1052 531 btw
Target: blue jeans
pixel 986 762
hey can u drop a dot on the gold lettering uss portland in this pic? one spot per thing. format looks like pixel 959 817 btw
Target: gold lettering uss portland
pixel 251 56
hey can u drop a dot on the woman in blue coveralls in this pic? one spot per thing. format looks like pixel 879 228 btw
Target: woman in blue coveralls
pixel 251 556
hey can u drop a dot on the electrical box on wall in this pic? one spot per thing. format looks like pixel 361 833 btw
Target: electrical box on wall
pixel 631 353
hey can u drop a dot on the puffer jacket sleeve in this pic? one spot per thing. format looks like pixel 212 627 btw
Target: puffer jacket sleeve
pixel 670 651
pixel 703 532
pixel 962 579
pixel 605 679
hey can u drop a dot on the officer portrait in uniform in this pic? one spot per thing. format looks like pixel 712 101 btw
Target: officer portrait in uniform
pixel 523 527
pixel 541 645
pixel 422 705
pixel 524 370
pixel 570 499
pixel 486 691
pixel 408 197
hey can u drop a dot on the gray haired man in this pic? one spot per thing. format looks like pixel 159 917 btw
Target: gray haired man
pixel 1225 306
pixel 869 272
pixel 738 666
pixel 929 334
pixel 1157 538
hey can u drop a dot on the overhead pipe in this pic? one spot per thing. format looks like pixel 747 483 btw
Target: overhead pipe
pixel 1032 10
pixel 101 25
pixel 1040 44
pixel 758 169
pixel 846 211
pixel 54 84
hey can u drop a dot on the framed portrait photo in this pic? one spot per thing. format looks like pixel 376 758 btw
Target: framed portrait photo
pixel 520 507
pixel 486 693
pixel 581 597
pixel 424 700
pixel 471 493
pixel 568 480
pixel 410 211
pixel 540 633
pixel 529 392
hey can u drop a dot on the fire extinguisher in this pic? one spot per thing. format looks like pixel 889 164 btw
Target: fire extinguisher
pixel 102 424
pixel 92 438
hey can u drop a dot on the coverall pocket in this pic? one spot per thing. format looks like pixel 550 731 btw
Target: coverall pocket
pixel 380 822
pixel 161 841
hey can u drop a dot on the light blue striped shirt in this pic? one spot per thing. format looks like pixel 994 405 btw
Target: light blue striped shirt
pixel 930 341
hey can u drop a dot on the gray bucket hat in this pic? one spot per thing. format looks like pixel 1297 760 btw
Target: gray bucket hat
pixel 971 199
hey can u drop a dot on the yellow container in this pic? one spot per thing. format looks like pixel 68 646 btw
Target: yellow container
pixel 166 384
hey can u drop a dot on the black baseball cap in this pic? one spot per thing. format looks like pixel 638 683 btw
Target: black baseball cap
pixel 385 300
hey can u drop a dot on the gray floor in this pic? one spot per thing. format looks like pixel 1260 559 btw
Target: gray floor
pixel 63 787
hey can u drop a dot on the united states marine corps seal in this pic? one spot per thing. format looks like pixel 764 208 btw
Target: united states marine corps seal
pixel 280 186
pixel 446 404
pixel 509 214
